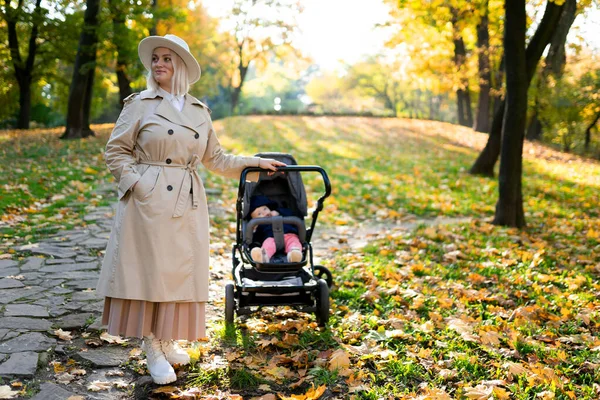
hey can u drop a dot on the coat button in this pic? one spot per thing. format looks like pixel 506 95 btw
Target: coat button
pixel 170 131
pixel 169 188
pixel 168 161
pixel 197 135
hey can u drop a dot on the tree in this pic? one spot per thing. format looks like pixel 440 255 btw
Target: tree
pixel 23 68
pixel 482 119
pixel 555 61
pixel 429 30
pixel 463 95
pixel 377 78
pixel 484 165
pixel 80 94
pixel 121 40
pixel 509 208
pixel 260 27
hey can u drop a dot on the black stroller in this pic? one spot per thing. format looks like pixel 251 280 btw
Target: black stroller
pixel 278 282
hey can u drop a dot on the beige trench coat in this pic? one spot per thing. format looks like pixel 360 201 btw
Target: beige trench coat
pixel 158 248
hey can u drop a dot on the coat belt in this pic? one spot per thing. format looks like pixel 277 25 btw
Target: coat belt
pixel 186 184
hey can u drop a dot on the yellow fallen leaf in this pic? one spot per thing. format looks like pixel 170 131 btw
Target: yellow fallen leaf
pixel 501 394
pixel 339 360
pixel 58 367
pixel 89 170
pixel 312 394
pixel 166 389
pixel 515 368
pixel 490 338
pixel 277 372
pixel 135 353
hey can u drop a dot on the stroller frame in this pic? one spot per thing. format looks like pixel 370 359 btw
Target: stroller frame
pixel 312 296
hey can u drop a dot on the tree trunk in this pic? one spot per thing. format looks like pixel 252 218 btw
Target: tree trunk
pixel 23 70
pixel 243 69
pixel 153 30
pixel 24 102
pixel 497 85
pixel 534 130
pixel 509 208
pixel 555 61
pixel 588 132
pixel 482 122
pixel 120 35
pixel 80 94
pixel 465 116
pixel 484 165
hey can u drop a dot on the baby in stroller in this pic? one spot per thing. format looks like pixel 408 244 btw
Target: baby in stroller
pixel 262 207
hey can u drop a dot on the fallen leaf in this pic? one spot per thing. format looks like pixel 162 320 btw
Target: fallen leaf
pixel 65 378
pixel 339 360
pixel 166 389
pixel 63 335
pixel 78 372
pixel 115 372
pixel 58 367
pixel 479 392
pixel 94 342
pixel 112 339
pixel 135 353
pixel 265 397
pixel 7 393
pixel 97 386
pixel 121 384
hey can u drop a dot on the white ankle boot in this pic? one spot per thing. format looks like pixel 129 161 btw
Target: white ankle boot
pixel 174 353
pixel 158 366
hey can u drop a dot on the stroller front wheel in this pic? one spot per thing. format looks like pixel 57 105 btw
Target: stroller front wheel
pixel 322 272
pixel 229 303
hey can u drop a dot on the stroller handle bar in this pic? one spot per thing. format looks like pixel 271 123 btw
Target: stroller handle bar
pixel 296 168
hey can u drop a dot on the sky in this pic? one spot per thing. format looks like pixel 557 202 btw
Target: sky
pixel 334 30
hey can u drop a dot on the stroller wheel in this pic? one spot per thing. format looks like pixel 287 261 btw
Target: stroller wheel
pixel 324 273
pixel 229 303
pixel 322 303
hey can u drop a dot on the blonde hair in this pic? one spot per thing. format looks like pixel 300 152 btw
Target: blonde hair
pixel 180 82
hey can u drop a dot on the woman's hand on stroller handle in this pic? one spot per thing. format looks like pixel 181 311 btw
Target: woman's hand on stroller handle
pixel 270 164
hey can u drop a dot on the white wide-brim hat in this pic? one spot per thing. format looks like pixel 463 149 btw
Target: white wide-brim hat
pixel 175 43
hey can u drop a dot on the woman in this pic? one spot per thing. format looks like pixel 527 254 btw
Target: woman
pixel 155 271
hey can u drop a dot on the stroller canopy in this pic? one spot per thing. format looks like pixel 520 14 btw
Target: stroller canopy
pixel 285 188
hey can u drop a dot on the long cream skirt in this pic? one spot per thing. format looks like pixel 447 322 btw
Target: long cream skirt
pixel 168 320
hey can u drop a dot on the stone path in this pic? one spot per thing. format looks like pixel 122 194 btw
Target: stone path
pixel 54 288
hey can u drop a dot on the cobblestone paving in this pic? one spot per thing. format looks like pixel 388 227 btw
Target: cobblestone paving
pixel 52 289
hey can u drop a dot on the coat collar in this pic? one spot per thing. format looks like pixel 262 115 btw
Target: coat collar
pixel 189 115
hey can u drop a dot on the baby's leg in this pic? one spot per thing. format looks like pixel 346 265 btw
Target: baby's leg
pixel 293 247
pixel 269 247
